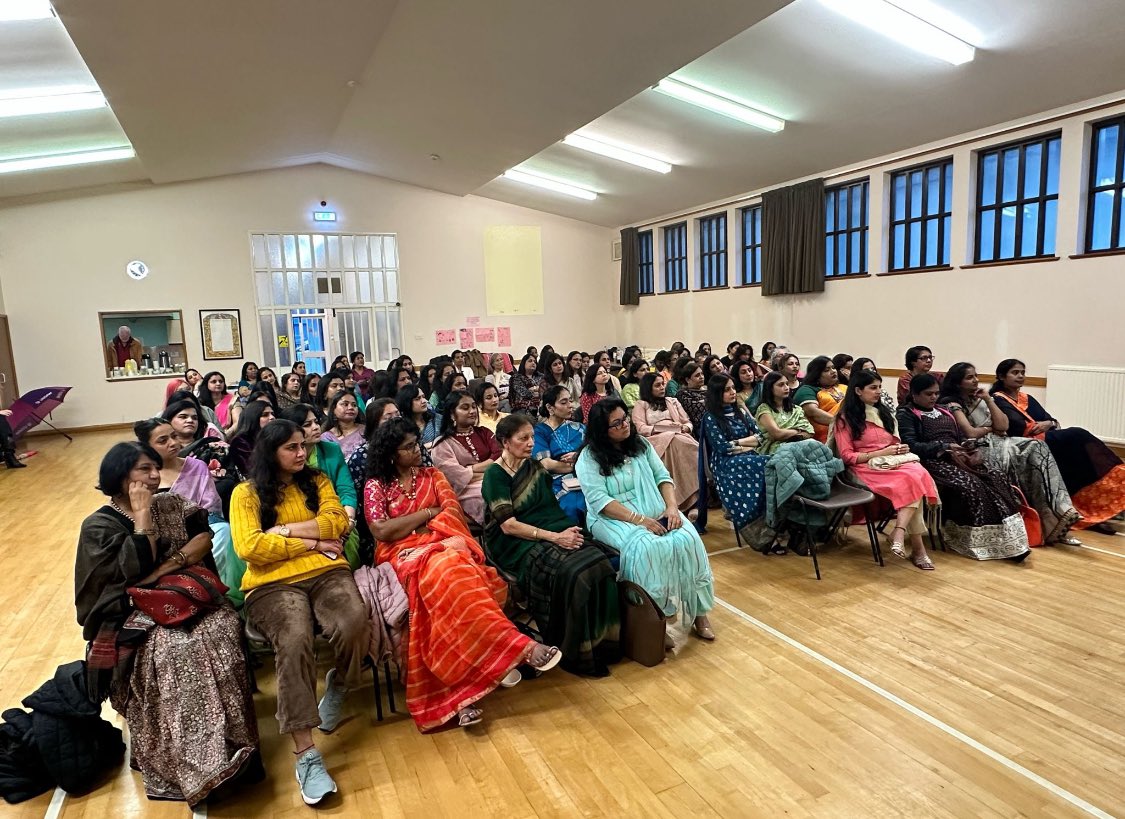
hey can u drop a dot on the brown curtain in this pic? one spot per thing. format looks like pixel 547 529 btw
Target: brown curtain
pixel 793 239
pixel 630 267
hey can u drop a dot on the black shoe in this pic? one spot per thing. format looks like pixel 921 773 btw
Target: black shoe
pixel 12 462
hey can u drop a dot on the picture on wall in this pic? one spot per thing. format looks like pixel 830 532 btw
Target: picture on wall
pixel 222 333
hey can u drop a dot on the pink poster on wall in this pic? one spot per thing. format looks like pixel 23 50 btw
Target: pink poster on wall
pixel 443 337
pixel 472 321
pixel 466 338
pixel 485 335
pixel 504 336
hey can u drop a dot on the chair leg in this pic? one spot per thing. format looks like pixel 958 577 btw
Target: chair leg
pixel 390 686
pixel 872 534
pixel 378 691
pixel 812 547
pixel 737 536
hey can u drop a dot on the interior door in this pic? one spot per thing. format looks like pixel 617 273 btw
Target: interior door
pixel 310 338
pixel 9 389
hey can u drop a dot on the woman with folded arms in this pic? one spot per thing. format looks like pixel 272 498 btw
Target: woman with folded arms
pixel 343 426
pixel 525 386
pixel 820 395
pixel 667 427
pixel 1027 462
pixel 557 441
pixel 463 451
pixel 779 419
pixel 631 381
pixel 865 429
pixel 631 506
pixel 1094 476
pixel 980 510
pixel 288 527
pixel 460 646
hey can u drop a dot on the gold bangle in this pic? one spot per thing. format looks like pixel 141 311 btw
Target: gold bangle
pixel 145 532
pixel 535 534
pixel 179 557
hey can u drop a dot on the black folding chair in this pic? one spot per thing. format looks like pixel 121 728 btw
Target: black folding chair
pixel 842 497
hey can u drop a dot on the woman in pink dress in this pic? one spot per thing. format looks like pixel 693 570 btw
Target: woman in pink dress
pixel 667 427
pixel 463 451
pixel 864 430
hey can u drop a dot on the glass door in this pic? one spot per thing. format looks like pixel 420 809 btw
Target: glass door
pixel 310 339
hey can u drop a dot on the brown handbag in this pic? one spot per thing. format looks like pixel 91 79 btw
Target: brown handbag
pixel 179 597
pixel 642 625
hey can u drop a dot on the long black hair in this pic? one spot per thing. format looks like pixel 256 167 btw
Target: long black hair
pixel 426 379
pixel 647 380
pixel 384 447
pixel 321 400
pixel 250 423
pixel 853 411
pixel 635 365
pixel 245 377
pixel 951 386
pixel 840 361
pixel 204 391
pixel 1002 370
pixel 768 383
pixel 857 365
pixel 405 397
pixel 266 478
pixel 739 384
pixel 445 388
pixel 448 407
pixel 588 385
pixel 713 401
pixel 330 419
pixel 373 416
pixel 178 405
pixel 391 386
pixel 544 368
pixel 608 454
pixel 815 370
pixel 308 393
pixel 523 361
pixel 261 388
pixel 119 462
pixel 706 365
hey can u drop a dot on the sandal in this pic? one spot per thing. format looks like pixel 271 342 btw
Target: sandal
pixel 469 716
pixel 924 563
pixel 898 549
pixel 512 678
pixel 545 663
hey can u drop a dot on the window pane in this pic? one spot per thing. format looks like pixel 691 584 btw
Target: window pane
pixel 376 251
pixel 280 328
pixel 308 288
pixel 842 209
pixel 915 244
pixel 916 193
pixel 829 256
pixel 988 180
pixel 378 294
pixel 1105 146
pixel 842 253
pixel 757 265
pixel 1053 166
pixel 1120 221
pixel 933 191
pixel 259 244
pixel 1051 211
pixel 349 251
pixel 1008 233
pixel 289 242
pixel 1029 239
pixel 899 196
pixel 1011 174
pixel 857 206
pixel 948 187
pixel 830 212
pixel 898 262
pixel 278 288
pixel 334 252
pixel 265 324
pixel 1033 160
pixel 318 251
pixel 304 246
pixel 361 251
pixel 293 288
pixel 274 244
pixel 931 242
pixel 945 249
pixel 262 286
pixel 857 249
pixel 390 252
pixel 1101 217
pixel 987 234
pixel 350 289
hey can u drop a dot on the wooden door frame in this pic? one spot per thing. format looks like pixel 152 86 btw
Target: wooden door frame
pixel 12 379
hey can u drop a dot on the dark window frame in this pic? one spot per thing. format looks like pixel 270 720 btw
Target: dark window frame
pixel 751 273
pixel 712 244
pixel 1117 187
pixel 1021 201
pixel 646 272
pixel 851 233
pixel 945 184
pixel 675 258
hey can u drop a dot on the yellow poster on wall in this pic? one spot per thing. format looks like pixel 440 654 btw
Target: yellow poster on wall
pixel 513 270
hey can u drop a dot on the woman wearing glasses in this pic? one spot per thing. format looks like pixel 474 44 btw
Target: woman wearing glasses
pixel 631 505
pixel 557 441
pixel 918 360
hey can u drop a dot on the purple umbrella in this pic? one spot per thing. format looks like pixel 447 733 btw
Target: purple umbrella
pixel 28 410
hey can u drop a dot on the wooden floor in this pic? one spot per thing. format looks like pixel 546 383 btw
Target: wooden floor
pixel 981 689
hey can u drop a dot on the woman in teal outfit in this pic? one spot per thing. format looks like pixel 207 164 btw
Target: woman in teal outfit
pixel 631 505
pixel 557 441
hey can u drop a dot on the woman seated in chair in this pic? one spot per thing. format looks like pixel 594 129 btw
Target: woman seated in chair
pixel 867 364
pixel 788 365
pixel 1028 463
pixel 454 382
pixel 631 381
pixel 980 509
pixel 566 576
pixel 250 422
pixel 460 646
pixel 497 377
pixel 557 441
pixel 631 506
pixel 553 368
pixel 918 360
pixel 166 682
pixel 779 419
pixel 411 402
pixel 525 386
pixel 820 395
pixel 463 451
pixel 692 395
pixel 667 427
pixel 342 426
pixel 745 384
pixel 594 389
pixel 1094 475
pixel 864 429
pixel 289 527
pixel 488 403
pixel 738 469
pixel 290 391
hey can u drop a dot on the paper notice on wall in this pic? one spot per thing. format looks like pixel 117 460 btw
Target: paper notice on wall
pixel 485 335
pixel 442 337
pixel 472 321
pixel 222 334
pixel 504 336
pixel 513 271
pixel 466 338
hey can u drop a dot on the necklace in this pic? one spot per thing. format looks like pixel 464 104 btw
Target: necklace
pixel 511 469
pixel 467 440
pixel 413 491
pixel 113 503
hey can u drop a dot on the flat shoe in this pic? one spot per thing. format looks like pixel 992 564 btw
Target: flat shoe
pixel 703 632
pixel 512 679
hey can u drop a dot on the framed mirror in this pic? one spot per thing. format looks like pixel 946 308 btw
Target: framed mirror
pixel 142 344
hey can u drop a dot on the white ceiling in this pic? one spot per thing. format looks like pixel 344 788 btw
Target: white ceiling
pixel 209 88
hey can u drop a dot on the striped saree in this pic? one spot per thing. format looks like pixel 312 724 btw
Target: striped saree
pixel 460 644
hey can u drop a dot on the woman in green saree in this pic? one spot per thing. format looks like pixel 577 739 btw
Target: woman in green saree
pixel 567 576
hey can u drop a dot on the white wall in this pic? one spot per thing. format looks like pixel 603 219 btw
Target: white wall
pixel 1066 311
pixel 65 260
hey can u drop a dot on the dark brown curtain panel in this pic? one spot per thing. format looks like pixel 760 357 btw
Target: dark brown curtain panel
pixel 793 239
pixel 630 267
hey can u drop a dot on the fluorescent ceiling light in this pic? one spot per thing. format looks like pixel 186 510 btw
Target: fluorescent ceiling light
pixel 23 106
pixel 617 152
pixel 912 31
pixel 735 109
pixel 33 163
pixel 550 184
pixel 11 10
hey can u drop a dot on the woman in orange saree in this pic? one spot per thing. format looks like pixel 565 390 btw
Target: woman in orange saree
pixel 460 646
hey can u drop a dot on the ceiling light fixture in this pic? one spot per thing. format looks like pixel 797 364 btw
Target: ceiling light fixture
pixel 720 104
pixel 34 163
pixel 22 106
pixel 907 28
pixel 13 10
pixel 555 185
pixel 617 152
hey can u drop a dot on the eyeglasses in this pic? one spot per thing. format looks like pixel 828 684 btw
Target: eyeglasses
pixel 925 358
pixel 619 424
pixel 410 447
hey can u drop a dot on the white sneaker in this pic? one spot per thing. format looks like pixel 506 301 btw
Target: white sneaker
pixel 313 777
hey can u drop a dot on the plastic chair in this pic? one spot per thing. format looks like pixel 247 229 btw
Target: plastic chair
pixel 842 497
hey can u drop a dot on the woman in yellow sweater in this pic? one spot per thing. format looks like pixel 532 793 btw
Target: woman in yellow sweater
pixel 288 525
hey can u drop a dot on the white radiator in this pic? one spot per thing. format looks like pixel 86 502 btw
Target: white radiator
pixel 1090 397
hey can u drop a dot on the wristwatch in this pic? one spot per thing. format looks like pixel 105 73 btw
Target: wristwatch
pixel 283 530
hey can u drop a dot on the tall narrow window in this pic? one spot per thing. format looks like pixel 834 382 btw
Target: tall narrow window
pixel 1018 200
pixel 713 251
pixel 921 215
pixel 646 281
pixel 675 258
pixel 1105 227
pixel 845 225
pixel 751 245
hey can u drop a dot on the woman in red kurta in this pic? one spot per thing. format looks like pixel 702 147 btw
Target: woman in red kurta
pixel 460 646
pixel 865 429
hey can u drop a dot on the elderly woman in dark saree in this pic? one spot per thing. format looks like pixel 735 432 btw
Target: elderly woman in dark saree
pixel 183 691
pixel 566 575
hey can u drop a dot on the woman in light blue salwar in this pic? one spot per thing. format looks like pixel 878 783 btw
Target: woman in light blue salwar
pixel 631 505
